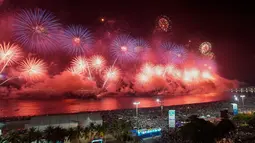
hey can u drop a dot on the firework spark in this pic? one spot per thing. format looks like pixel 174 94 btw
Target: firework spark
pixel 79 64
pixel 9 54
pixel 179 54
pixel 111 74
pixel 167 54
pixel 169 69
pixel 140 45
pixel 122 48
pixel 97 62
pixel 205 47
pixel 74 71
pixel 37 30
pixel 210 55
pixel 159 70
pixel 33 69
pixel 191 75
pixel 194 73
pixel 142 78
pixel 148 69
pixel 163 23
pixel 207 75
pixel 76 40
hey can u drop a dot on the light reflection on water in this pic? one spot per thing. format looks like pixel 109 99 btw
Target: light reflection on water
pixel 40 107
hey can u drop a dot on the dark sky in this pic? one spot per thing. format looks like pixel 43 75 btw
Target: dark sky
pixel 227 25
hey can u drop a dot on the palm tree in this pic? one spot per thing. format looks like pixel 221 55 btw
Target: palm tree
pixel 13 137
pixel 38 136
pixel 74 133
pixel 94 131
pixel 59 134
pixel 251 122
pixel 2 139
pixel 24 137
pixel 71 134
pixel 48 133
pixel 121 130
pixel 55 134
pixel 198 130
pixel 78 133
pixel 87 133
pixel 31 135
pixel 224 128
pixel 102 130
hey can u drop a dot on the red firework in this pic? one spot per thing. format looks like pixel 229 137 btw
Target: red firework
pixel 111 74
pixel 142 78
pixel 10 53
pixel 148 69
pixel 97 62
pixel 79 64
pixel 33 69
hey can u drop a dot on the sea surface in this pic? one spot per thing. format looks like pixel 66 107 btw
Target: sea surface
pixel 12 107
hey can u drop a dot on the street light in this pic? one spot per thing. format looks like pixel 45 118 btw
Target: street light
pixel 136 109
pixel 161 105
pixel 236 98
pixel 242 96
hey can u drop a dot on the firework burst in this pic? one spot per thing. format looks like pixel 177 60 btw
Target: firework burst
pixel 10 53
pixel 179 54
pixel 177 73
pixel 112 74
pixel 169 69
pixel 159 70
pixel 148 69
pixel 79 64
pixel 142 78
pixel 205 48
pixel 97 62
pixel 76 40
pixel 167 48
pixel 191 75
pixel 210 55
pixel 33 69
pixel 163 23
pixel 122 48
pixel 36 30
pixel 140 45
pixel 207 75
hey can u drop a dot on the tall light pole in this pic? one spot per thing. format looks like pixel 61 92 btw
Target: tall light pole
pixel 242 96
pixel 136 109
pixel 161 105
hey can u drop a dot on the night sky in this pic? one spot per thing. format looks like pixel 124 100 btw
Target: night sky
pixel 227 25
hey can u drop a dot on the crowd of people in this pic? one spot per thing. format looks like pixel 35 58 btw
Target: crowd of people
pixel 157 118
